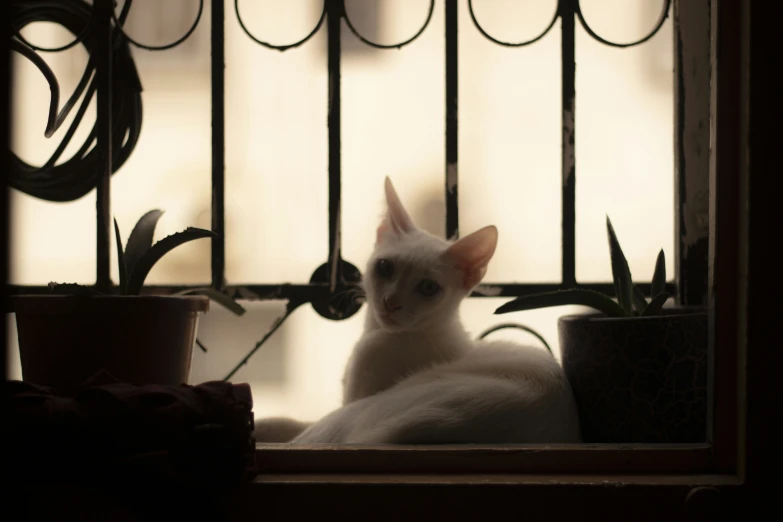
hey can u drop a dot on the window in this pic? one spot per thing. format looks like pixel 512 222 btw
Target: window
pixel 290 180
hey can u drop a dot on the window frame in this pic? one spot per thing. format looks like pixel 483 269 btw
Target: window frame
pixel 670 472
pixel 719 172
pixel 684 480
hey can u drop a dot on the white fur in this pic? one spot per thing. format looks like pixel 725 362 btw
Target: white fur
pixel 415 376
pixel 496 393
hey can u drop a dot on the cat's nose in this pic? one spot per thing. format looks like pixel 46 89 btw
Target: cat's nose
pixel 390 305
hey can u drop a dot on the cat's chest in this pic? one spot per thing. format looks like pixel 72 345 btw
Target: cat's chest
pixel 379 361
pixel 381 353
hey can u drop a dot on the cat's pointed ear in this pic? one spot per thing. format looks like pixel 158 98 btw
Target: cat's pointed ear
pixel 471 254
pixel 396 222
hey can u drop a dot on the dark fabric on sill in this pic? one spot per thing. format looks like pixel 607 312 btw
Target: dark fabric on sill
pixel 186 435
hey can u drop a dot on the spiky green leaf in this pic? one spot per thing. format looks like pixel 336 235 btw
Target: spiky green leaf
pixel 656 305
pixel 621 274
pixel 582 297
pixel 140 239
pixel 121 266
pixel 158 250
pixel 639 302
pixel 659 276
pixel 219 297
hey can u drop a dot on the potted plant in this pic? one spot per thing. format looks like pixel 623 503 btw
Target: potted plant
pixel 638 370
pixel 69 335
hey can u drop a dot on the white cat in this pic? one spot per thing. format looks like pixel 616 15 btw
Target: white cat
pixel 416 377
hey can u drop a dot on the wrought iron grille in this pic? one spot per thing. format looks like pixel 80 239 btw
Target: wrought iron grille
pixel 99 28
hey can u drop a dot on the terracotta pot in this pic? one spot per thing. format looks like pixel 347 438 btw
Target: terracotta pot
pixel 64 340
pixel 640 379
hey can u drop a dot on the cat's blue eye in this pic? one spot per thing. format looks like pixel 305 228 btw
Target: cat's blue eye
pixel 385 268
pixel 428 287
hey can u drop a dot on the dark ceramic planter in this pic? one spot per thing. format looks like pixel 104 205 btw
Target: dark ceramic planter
pixel 641 379
pixel 64 340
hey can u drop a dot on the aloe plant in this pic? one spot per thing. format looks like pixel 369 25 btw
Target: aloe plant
pixel 630 300
pixel 139 256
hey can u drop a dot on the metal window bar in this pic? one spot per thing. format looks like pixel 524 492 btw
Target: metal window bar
pixel 331 281
pixel 218 88
pixel 103 11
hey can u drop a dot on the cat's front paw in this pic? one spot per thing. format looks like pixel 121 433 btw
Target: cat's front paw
pixel 278 429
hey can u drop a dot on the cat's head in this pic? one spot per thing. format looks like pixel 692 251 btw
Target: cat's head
pixel 415 280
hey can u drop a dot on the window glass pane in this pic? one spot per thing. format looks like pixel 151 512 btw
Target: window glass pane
pixel 624 140
pixel 276 144
pixel 49 241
